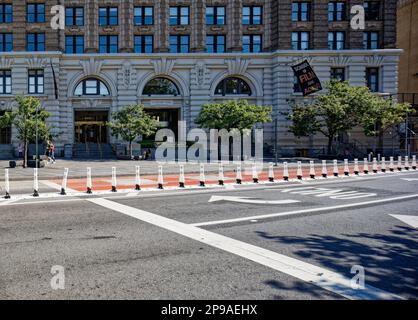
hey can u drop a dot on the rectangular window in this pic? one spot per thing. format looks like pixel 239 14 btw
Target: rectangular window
pixel 371 40
pixel 252 43
pixel 144 44
pixel 336 40
pixel 252 15
pixel 179 16
pixel 6 13
pixel 35 42
pixel 215 44
pixel 338 74
pixel 74 16
pixel 74 44
pixel 36 81
pixel 336 11
pixel 5 81
pixel 6 42
pixel 300 40
pixel 372 79
pixel 215 15
pixel 109 44
pixel 179 43
pixel 35 13
pixel 301 11
pixel 143 16
pixel 372 10
pixel 108 16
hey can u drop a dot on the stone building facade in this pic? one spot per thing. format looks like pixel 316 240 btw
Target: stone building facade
pixel 243 50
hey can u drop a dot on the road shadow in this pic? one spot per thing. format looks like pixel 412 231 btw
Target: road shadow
pixel 390 260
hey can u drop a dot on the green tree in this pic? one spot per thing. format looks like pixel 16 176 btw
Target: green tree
pixel 233 115
pixel 131 122
pixel 343 108
pixel 29 120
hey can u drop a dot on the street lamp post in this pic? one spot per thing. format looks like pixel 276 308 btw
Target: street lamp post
pixel 37 137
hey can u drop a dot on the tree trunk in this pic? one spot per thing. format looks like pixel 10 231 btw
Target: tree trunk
pixel 25 154
pixel 329 148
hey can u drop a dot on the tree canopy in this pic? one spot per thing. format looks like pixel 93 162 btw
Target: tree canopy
pixel 343 108
pixel 233 115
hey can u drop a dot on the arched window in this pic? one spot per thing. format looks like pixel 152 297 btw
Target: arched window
pixel 91 87
pixel 233 86
pixel 161 86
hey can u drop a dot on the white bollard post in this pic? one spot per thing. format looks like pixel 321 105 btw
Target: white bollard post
pixel 160 178
pixel 346 168
pixel 182 180
pixel 414 162
pixel 366 166
pixel 383 165
pixel 64 182
pixel 221 178
pixel 6 184
pixel 202 176
pixel 407 163
pixel 239 174
pixel 391 164
pixel 356 167
pixel 374 167
pixel 137 178
pixel 285 171
pixel 324 169
pixel 312 172
pixel 255 173
pixel 114 182
pixel 271 172
pixel 336 170
pixel 299 172
pixel 89 183
pixel 35 183
pixel 399 163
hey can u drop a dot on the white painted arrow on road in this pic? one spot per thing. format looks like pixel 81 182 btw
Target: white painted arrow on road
pixel 409 220
pixel 410 179
pixel 250 200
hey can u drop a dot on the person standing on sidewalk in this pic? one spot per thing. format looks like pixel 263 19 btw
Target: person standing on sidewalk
pixel 20 150
pixel 51 148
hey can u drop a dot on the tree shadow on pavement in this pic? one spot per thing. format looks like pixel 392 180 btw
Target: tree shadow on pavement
pixel 390 260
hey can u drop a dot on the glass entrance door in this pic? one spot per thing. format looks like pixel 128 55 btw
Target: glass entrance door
pixel 90 127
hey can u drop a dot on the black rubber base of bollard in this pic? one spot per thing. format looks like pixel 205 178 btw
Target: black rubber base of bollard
pixel 374 171
pixel 384 170
pixel 356 173
pixel 160 186
pixel 138 187
pixel 347 174
pixel 239 181
pixel 271 179
pixel 7 196
pixel 202 184
pixel 255 180
pixel 286 178
pixel 324 175
pixel 63 193
pixel 300 177
pixel 335 174
pixel 89 191
pixel 415 168
pixel 35 193
pixel 114 189
pixel 407 168
pixel 399 169
pixel 181 185
pixel 392 170
pixel 366 172
pixel 312 176
pixel 221 182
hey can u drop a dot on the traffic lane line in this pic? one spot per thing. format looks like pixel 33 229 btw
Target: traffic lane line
pixel 321 277
pixel 304 211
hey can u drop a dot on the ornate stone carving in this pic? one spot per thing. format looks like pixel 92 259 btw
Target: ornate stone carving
pixel 237 65
pixel 6 63
pixel 339 61
pixel 127 74
pixel 201 73
pixel 375 61
pixel 91 66
pixel 163 65
pixel 36 63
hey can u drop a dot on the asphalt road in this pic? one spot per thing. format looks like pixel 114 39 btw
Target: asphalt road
pixel 233 243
